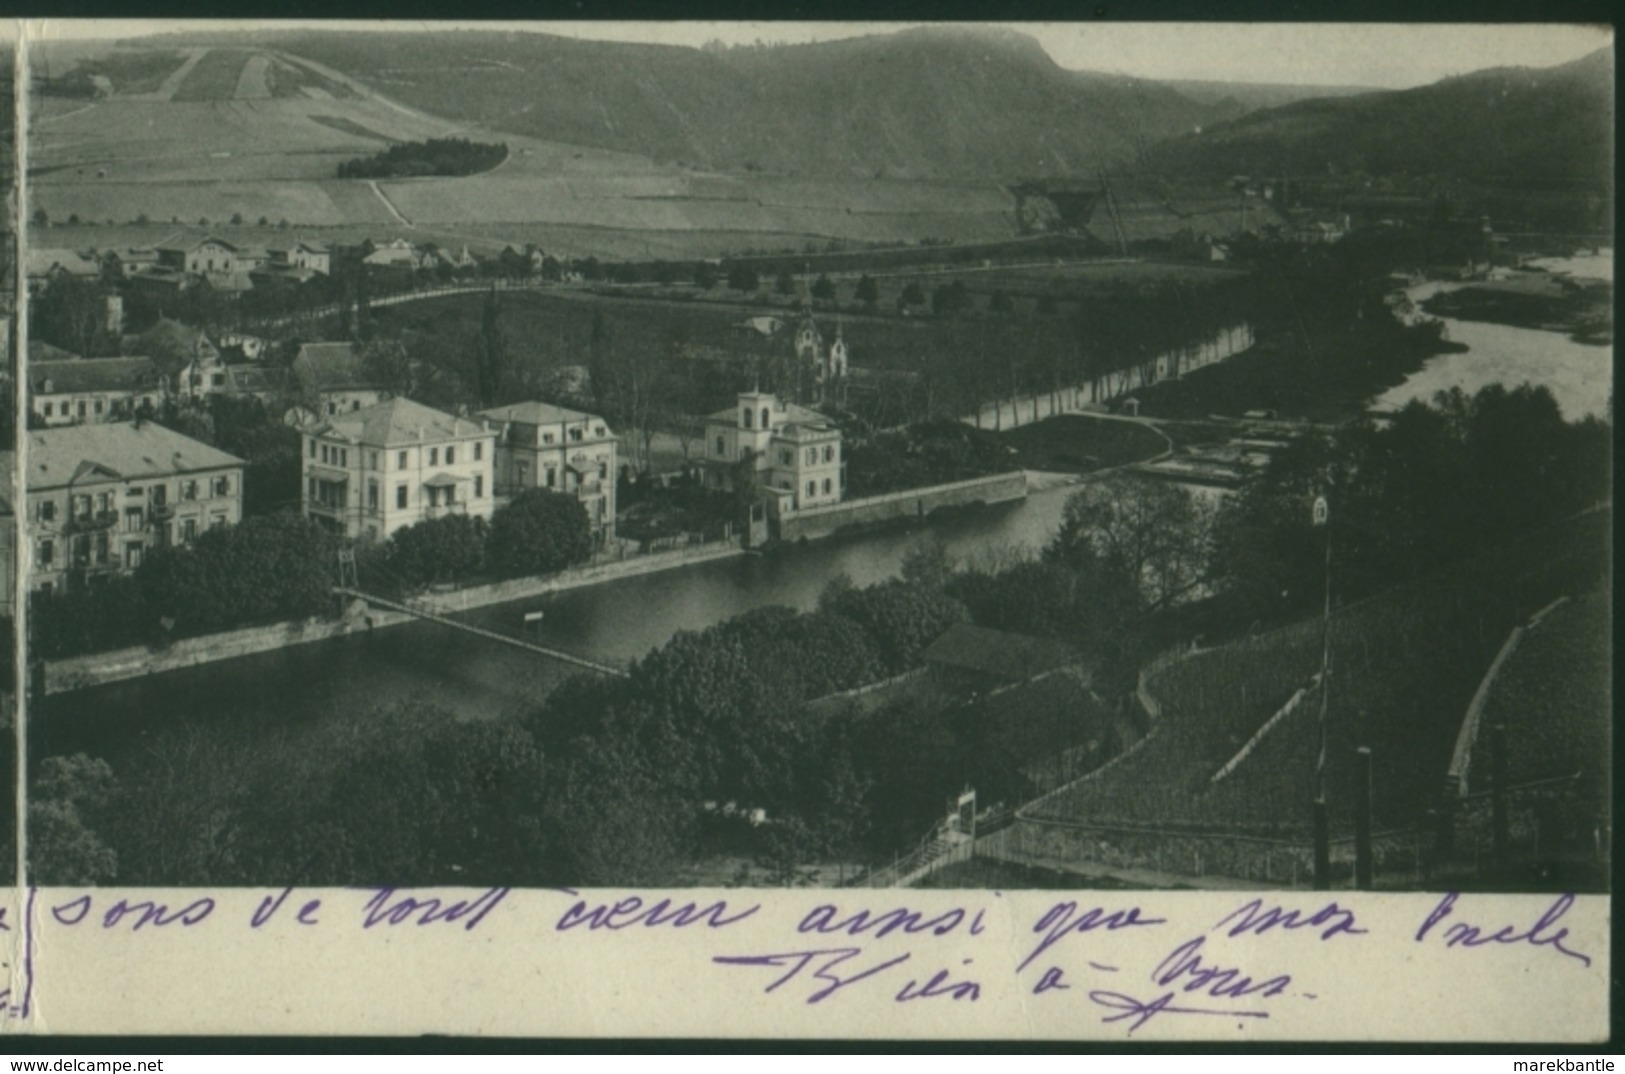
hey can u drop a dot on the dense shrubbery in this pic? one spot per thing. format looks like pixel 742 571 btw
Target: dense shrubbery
pixel 267 569
pixel 436 156
pixel 538 532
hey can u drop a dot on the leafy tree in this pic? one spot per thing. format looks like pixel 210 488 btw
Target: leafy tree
pixel 437 550
pixel 868 292
pixel 1154 535
pixel 615 816
pixel 913 294
pixel 901 618
pixel 743 278
pixel 705 275
pixel 63 850
pixel 823 289
pixel 783 283
pixel 538 532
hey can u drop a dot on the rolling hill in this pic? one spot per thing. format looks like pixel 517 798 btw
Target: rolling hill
pixel 945 104
pixel 1549 127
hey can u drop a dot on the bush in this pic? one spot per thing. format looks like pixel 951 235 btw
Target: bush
pixel 436 550
pixel 539 532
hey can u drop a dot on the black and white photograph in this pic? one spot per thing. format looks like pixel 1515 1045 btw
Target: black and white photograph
pixel 1089 457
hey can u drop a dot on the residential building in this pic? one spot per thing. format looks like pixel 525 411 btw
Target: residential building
pixel 370 472
pixel 332 379
pixel 80 390
pixel 173 345
pixel 794 453
pixel 542 446
pixel 100 496
pixel 204 257
pixel 129 261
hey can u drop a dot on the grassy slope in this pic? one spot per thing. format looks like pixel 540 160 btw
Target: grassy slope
pixel 1407 663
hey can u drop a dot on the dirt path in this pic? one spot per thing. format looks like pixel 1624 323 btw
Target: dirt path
pixel 166 90
pixel 396 213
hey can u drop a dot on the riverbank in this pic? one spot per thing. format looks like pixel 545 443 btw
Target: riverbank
pixel 1582 310
pixel 99 669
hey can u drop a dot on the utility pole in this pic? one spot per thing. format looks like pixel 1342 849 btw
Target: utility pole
pixel 1321 518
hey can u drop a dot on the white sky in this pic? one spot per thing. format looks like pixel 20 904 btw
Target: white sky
pixel 1372 54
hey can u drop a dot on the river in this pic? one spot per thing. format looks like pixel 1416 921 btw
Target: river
pixel 1580 375
pixel 475 678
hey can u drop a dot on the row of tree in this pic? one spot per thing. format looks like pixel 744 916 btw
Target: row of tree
pixel 434 156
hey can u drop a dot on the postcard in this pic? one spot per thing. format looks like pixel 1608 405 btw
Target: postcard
pixel 1060 531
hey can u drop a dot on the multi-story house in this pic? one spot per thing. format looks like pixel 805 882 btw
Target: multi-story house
pixel 794 453
pixel 100 496
pixel 542 446
pixel 370 472
pixel 79 390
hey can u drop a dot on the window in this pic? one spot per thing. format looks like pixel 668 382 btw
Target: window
pixel 159 494
pixel 81 408
pixel 49 409
pixel 344 456
pixel 372 460
pixel 434 456
pixel 189 490
pixel 133 521
pixel 812 456
pixel 400 460
pixel 313 447
pixel 400 496
pixel 217 519
pixel 552 476
pixel 575 434
pixel 188 530
pixel 98 406
pixel 104 502
pixel 826 486
pixel 765 423
pixel 479 486
pixel 132 556
pixel 372 495
pixel 829 452
pixel 332 408
pixel 81 506
pixel 47 511
pixel 451 456
pixel 324 454
pixel 479 450
pixel 744 417
pixel 524 472
pixel 812 488
pixel 722 448
pixel 598 431
pixel 547 438
pixel 47 552
pixel 786 456
pixel 218 380
pixel 451 495
pixel 222 486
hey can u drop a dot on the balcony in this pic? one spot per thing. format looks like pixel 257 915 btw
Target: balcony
pixel 443 510
pixel 95 520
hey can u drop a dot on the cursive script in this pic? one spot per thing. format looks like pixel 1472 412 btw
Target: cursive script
pixel 1543 933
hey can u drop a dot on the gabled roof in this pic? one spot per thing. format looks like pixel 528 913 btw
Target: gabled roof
pixel 1012 657
pixel 537 413
pixel 41 351
pixel 172 338
pixel 398 423
pixel 122 449
pixel 76 375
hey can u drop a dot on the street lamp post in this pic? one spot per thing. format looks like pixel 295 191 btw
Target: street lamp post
pixel 1321 519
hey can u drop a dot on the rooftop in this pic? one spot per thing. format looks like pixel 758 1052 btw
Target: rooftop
pixel 92 375
pixel 399 422
pixel 57 457
pixel 537 413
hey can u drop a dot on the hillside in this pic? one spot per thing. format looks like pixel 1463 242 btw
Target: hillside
pixel 930 103
pixel 1541 127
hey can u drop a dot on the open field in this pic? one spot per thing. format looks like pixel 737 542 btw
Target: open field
pixel 207 133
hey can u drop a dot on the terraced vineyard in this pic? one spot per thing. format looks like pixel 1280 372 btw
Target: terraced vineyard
pixel 1405 665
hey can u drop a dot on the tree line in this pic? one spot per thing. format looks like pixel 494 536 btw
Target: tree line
pixel 434 156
